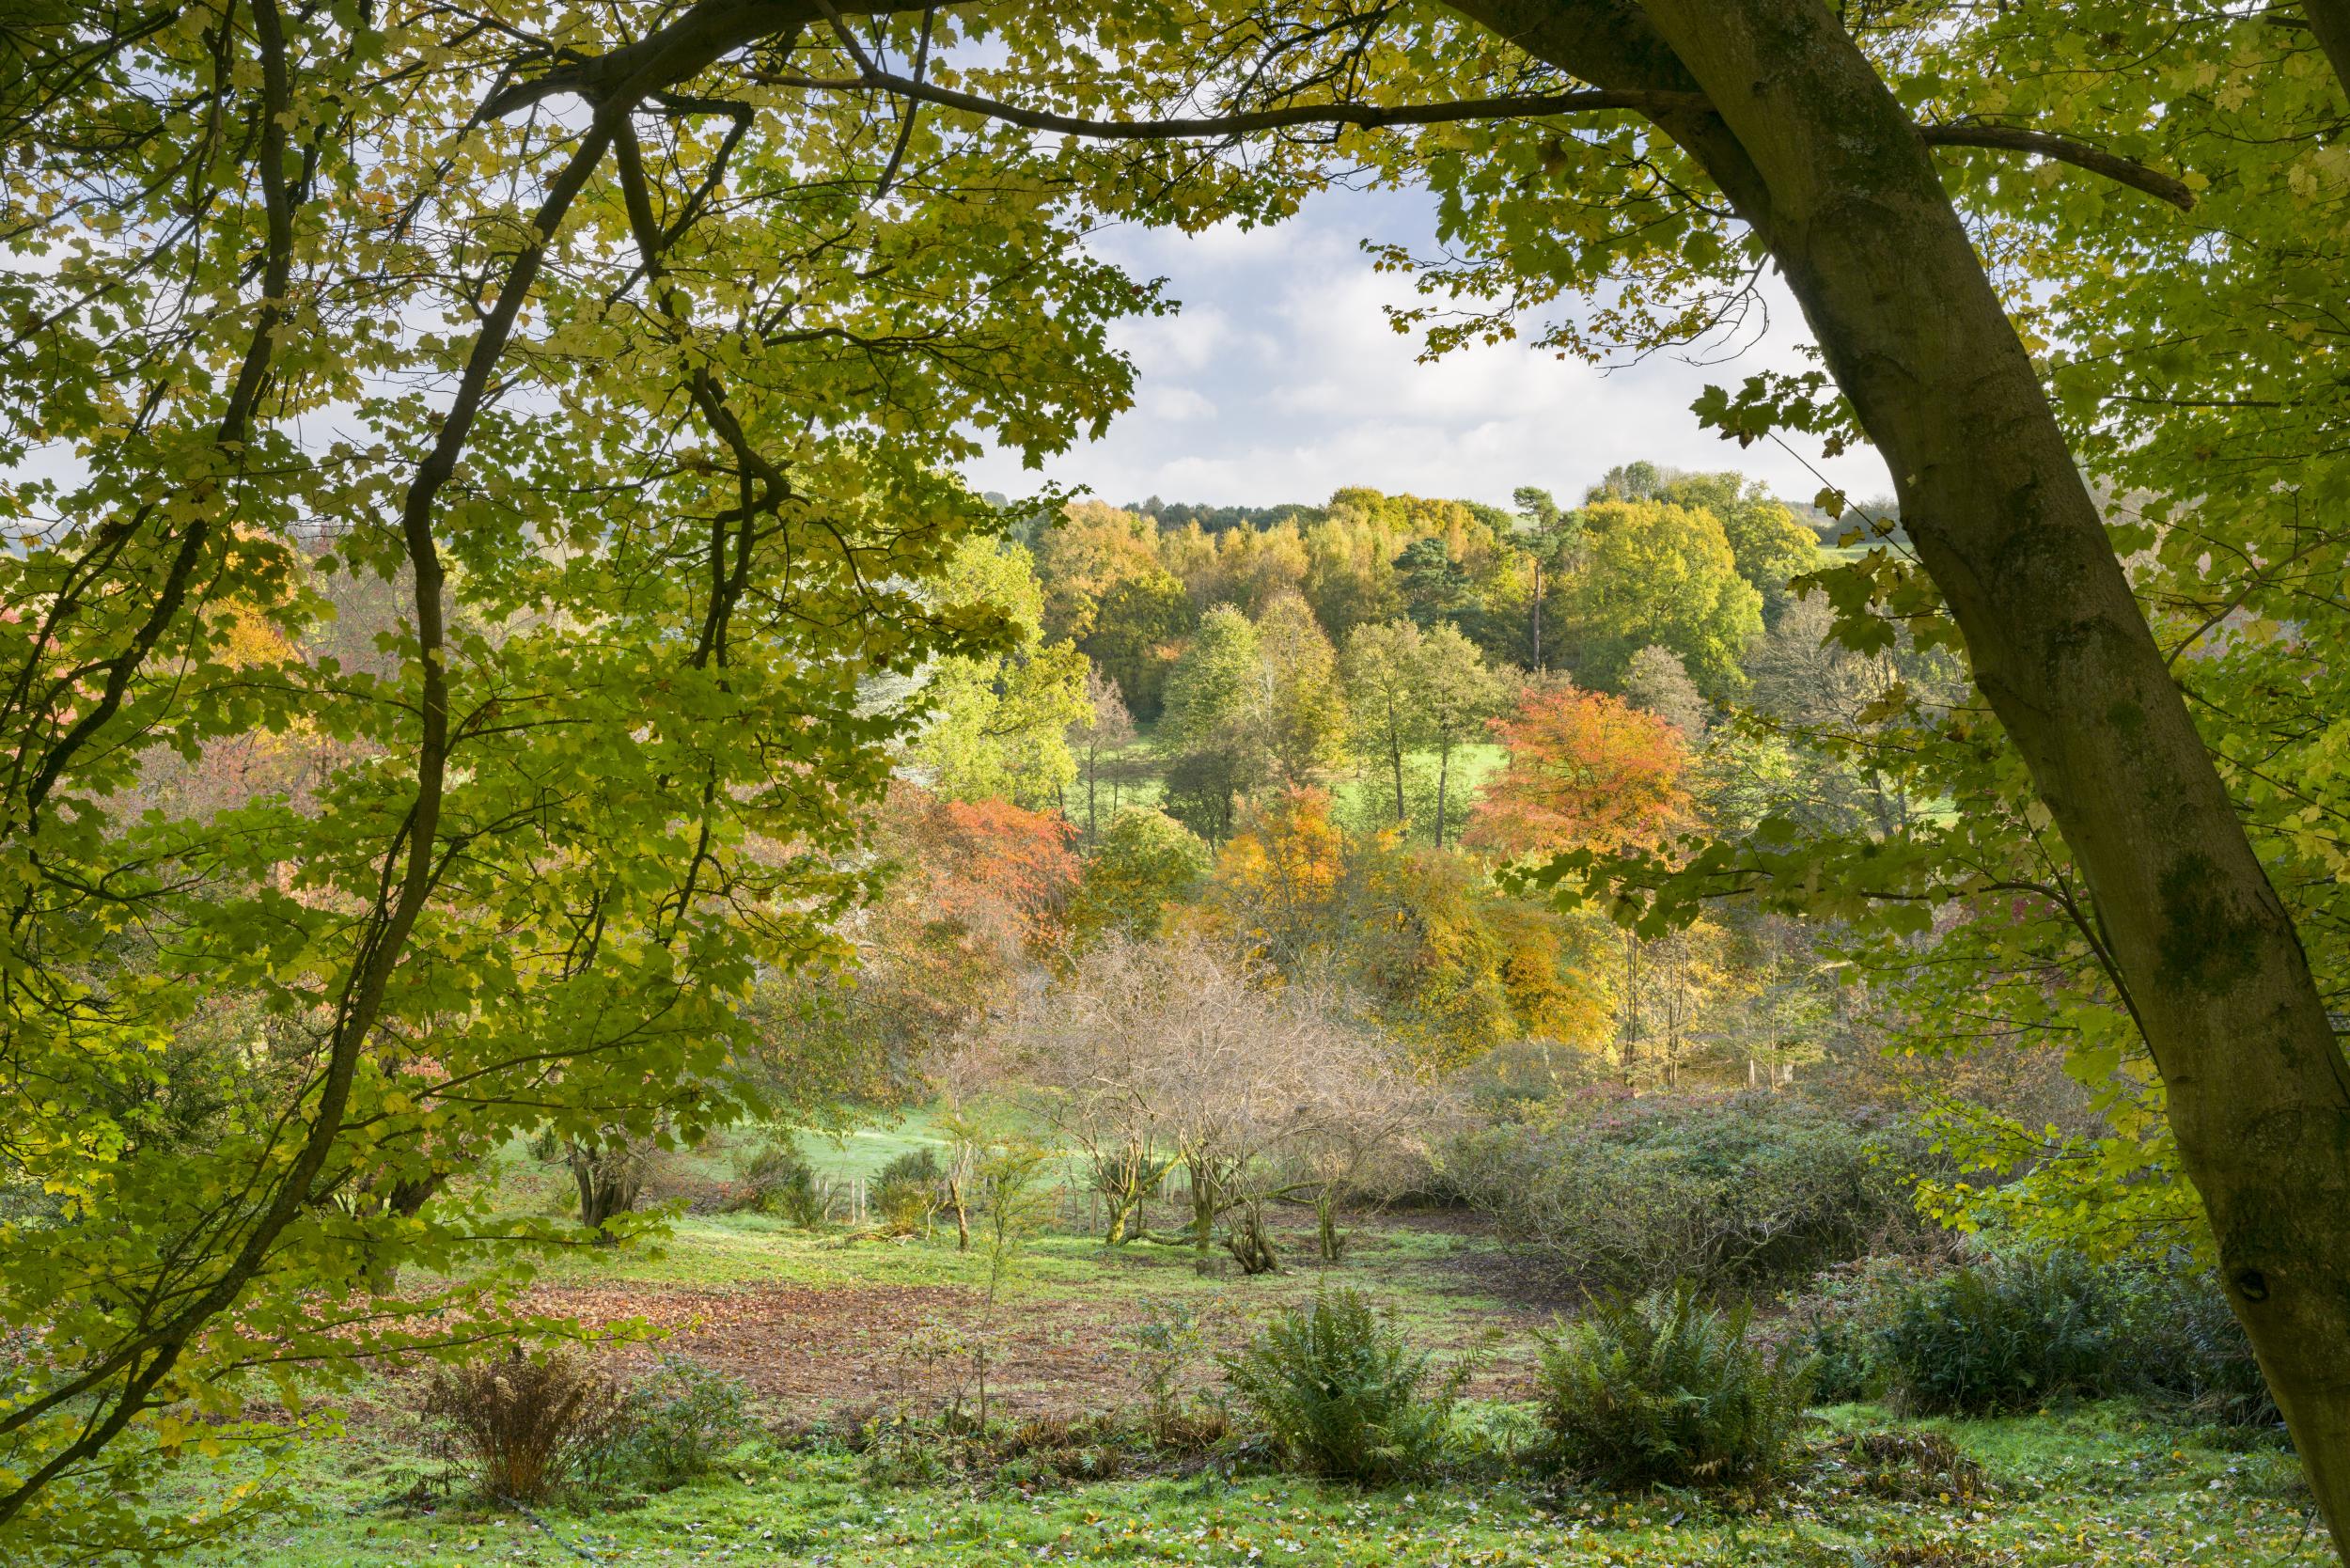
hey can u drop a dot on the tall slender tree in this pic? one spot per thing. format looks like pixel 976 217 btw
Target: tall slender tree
pixel 1382 668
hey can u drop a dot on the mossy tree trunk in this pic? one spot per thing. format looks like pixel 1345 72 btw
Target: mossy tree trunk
pixel 610 1176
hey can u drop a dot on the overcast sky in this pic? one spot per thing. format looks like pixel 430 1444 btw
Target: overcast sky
pixel 1280 381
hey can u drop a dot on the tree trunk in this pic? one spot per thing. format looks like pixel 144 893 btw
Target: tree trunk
pixel 1538 615
pixel 1443 772
pixel 1395 762
pixel 1249 1243
pixel 1810 147
pixel 2331 21
pixel 1329 1238
pixel 1203 1208
pixel 609 1177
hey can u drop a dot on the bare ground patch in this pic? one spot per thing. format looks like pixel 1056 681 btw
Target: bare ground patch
pixel 807 1350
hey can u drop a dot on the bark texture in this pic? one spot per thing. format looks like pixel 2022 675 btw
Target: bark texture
pixel 2331 21
pixel 1805 141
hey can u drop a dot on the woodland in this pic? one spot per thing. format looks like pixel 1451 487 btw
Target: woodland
pixel 601 960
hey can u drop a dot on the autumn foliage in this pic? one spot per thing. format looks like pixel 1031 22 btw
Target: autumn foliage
pixel 984 889
pixel 1277 879
pixel 1586 770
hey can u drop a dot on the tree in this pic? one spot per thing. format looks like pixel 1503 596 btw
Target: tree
pixel 1349 580
pixel 1654 572
pixel 1434 587
pixel 1139 633
pixel 1161 1055
pixel 1674 984
pixel 1097 741
pixel 1250 704
pixel 1787 117
pixel 276 279
pixel 1279 879
pixel 1638 480
pixel 1144 863
pixel 1658 680
pixel 1770 546
pixel 1458 695
pixel 999 726
pixel 1419 940
pixel 1853 715
pixel 1210 687
pixel 1552 538
pixel 1209 729
pixel 1302 707
pixel 1085 554
pixel 1586 770
pixel 973 897
pixel 1382 669
pixel 1105 591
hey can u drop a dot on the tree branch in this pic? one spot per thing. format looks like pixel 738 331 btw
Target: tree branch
pixel 1362 115
pixel 2064 149
pixel 707 33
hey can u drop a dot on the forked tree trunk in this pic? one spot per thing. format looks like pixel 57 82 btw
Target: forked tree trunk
pixel 1805 141
pixel 609 1176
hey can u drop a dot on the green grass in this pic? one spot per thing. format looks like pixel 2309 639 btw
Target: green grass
pixel 1415 1273
pixel 2102 1486
pixel 2097 1485
pixel 1473 768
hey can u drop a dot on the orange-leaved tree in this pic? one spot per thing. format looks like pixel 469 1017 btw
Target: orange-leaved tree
pixel 1586 770
pixel 982 893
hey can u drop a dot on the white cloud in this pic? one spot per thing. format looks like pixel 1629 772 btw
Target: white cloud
pixel 1172 405
pixel 1282 380
pixel 1190 340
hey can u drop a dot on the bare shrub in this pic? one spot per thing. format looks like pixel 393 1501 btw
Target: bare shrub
pixel 524 1425
pixel 1151 1056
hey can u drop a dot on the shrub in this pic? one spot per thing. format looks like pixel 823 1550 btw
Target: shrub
pixel 1163 1343
pixel 524 1425
pixel 2010 1332
pixel 1342 1393
pixel 898 1451
pixel 682 1420
pixel 776 1179
pixel 2007 1334
pixel 1840 1321
pixel 905 1193
pixel 1736 1192
pixel 2189 1347
pixel 1662 1388
pixel 1048 1451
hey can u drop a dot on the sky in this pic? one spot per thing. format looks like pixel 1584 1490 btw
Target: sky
pixel 1280 380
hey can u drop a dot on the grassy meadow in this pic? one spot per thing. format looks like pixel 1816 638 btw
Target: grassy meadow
pixel 846 1345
